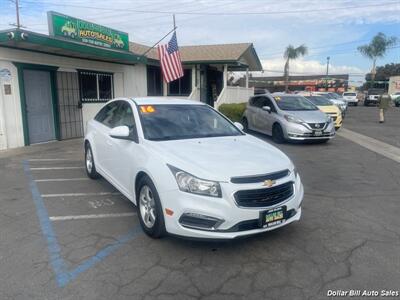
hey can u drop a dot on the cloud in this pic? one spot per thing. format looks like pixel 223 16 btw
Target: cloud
pixel 274 67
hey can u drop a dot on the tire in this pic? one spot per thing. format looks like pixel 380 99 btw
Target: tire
pixel 324 141
pixel 90 165
pixel 277 134
pixel 149 208
pixel 245 124
pixel 337 128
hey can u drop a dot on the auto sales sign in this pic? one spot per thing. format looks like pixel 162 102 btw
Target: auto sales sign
pixel 86 32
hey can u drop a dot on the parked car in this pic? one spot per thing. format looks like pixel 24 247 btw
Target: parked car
pixel 335 99
pixel 287 117
pixel 326 106
pixel 350 98
pixel 372 96
pixel 397 101
pixel 396 98
pixel 190 171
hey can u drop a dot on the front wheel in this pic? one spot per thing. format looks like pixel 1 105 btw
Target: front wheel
pixel 277 134
pixel 89 163
pixel 150 211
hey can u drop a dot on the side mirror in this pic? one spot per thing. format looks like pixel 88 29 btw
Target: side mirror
pixel 239 126
pixel 267 108
pixel 120 132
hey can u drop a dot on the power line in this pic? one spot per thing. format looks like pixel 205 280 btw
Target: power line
pixel 218 13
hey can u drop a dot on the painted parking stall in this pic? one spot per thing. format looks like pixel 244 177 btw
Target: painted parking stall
pixel 77 216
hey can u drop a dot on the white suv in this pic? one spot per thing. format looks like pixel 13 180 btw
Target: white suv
pixel 350 98
pixel 190 171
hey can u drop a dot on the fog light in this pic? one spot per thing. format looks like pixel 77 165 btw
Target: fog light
pixel 199 221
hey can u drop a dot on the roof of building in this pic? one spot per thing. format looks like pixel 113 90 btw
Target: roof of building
pixel 240 53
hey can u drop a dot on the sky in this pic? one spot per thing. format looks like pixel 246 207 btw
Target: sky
pixel 333 28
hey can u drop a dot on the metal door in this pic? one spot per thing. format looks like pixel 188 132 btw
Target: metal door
pixel 39 106
pixel 71 122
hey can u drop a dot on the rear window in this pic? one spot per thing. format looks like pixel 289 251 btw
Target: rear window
pixel 349 94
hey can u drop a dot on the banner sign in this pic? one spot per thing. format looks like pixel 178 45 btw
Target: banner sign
pixel 86 32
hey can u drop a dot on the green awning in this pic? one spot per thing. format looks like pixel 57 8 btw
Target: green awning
pixel 31 41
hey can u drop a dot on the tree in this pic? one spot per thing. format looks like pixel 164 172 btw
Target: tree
pixel 292 53
pixel 377 48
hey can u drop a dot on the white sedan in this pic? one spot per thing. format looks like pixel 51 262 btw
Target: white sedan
pixel 190 171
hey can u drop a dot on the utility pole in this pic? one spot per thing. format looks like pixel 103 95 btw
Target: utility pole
pixel 17 10
pixel 18 23
pixel 327 72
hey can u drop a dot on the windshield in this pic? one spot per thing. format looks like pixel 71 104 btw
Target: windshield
pixel 334 95
pixel 349 94
pixel 319 100
pixel 173 122
pixel 294 103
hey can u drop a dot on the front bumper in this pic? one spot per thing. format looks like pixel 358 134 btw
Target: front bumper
pixel 232 221
pixel 294 131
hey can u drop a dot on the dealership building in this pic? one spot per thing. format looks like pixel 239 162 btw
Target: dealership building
pixel 51 85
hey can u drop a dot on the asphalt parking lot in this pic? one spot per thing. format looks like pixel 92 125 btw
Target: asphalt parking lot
pixel 64 236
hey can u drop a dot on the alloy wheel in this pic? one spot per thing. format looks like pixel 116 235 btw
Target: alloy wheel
pixel 89 160
pixel 147 207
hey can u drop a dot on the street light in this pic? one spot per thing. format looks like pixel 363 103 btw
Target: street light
pixel 327 72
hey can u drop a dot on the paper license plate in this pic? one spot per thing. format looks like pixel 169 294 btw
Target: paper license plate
pixel 273 217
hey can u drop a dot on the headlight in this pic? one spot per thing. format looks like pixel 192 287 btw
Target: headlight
pixel 191 184
pixel 293 119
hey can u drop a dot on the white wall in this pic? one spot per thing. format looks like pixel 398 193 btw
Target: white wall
pixel 10 111
pixel 129 81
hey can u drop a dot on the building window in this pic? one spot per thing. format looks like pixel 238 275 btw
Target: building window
pixel 181 86
pixel 95 87
pixel 154 81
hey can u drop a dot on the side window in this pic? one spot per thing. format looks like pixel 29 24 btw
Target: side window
pixel 257 102
pixel 108 115
pixel 267 102
pixel 126 118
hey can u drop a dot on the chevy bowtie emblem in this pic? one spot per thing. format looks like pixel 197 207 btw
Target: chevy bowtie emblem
pixel 269 183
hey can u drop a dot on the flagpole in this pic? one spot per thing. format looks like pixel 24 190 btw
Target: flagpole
pixel 148 50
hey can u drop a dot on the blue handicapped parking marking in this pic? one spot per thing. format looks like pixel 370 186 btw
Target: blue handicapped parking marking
pixel 63 275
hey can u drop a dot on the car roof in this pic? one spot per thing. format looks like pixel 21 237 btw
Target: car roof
pixel 164 100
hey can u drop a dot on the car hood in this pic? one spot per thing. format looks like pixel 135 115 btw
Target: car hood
pixel 221 158
pixel 310 116
pixel 329 109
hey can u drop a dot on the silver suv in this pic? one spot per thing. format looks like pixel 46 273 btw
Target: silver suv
pixel 287 117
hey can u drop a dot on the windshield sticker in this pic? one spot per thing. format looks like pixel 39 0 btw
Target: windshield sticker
pixel 277 98
pixel 147 109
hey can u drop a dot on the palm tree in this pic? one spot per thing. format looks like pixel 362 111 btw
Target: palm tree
pixel 376 49
pixel 290 54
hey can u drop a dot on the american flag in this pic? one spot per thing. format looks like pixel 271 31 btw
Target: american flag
pixel 170 60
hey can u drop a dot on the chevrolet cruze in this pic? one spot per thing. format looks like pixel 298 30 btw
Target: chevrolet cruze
pixel 190 171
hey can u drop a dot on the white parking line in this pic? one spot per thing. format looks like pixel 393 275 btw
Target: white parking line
pixel 48 159
pixel 61 179
pixel 374 145
pixel 79 194
pixel 55 168
pixel 98 216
